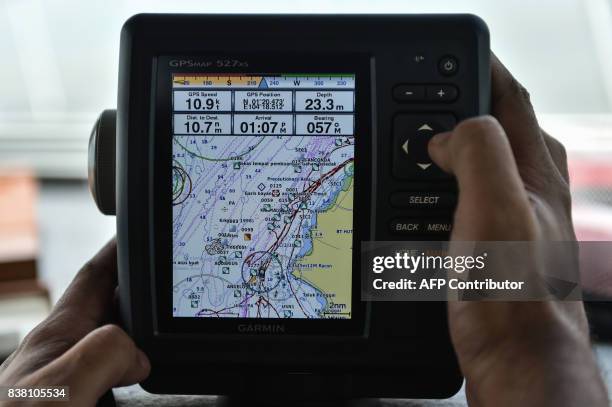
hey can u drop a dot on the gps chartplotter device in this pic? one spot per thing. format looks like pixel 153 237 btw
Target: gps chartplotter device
pixel 254 154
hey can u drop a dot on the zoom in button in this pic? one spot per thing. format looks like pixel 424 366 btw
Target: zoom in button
pixel 442 93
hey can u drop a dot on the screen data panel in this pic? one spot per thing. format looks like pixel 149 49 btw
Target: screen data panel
pixel 262 185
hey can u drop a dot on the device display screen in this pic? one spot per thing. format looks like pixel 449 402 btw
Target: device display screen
pixel 262 187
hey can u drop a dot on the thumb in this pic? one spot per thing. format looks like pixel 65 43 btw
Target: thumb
pixel 105 358
pixel 492 196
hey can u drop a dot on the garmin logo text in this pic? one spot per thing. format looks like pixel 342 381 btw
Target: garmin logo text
pixel 219 63
pixel 261 328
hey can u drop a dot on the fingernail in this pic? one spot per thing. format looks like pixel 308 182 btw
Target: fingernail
pixel 440 138
pixel 143 360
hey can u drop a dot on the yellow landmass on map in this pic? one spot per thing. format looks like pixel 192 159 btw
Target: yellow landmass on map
pixel 328 266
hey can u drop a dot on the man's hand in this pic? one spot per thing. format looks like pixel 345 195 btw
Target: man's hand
pixel 76 346
pixel 513 186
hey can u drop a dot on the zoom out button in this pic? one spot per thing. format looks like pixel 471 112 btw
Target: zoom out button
pixel 409 93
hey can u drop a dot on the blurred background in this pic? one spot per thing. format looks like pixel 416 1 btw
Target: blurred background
pixel 58 71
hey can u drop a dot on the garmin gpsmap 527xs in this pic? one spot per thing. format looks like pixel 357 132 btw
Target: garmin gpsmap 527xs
pixel 254 154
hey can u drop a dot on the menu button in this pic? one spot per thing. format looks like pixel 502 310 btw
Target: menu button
pixel 438 227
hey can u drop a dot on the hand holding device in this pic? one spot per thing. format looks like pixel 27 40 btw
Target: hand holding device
pixel 513 186
pixel 76 346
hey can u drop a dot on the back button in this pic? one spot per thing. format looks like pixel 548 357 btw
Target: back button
pixel 405 226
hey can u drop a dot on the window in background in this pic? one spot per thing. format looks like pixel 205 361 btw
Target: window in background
pixel 59 71
pixel 59 65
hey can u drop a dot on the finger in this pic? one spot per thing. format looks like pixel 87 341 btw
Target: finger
pixel 511 105
pixel 477 152
pixel 90 296
pixel 105 358
pixel 471 394
pixel 558 154
pixel 86 304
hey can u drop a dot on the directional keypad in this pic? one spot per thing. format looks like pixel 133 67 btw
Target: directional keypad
pixel 411 135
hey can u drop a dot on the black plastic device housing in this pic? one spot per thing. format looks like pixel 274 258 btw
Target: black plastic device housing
pixel 388 349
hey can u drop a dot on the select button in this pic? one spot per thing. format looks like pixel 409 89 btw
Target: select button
pixel 423 200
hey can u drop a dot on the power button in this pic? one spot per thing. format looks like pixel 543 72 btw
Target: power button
pixel 448 65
